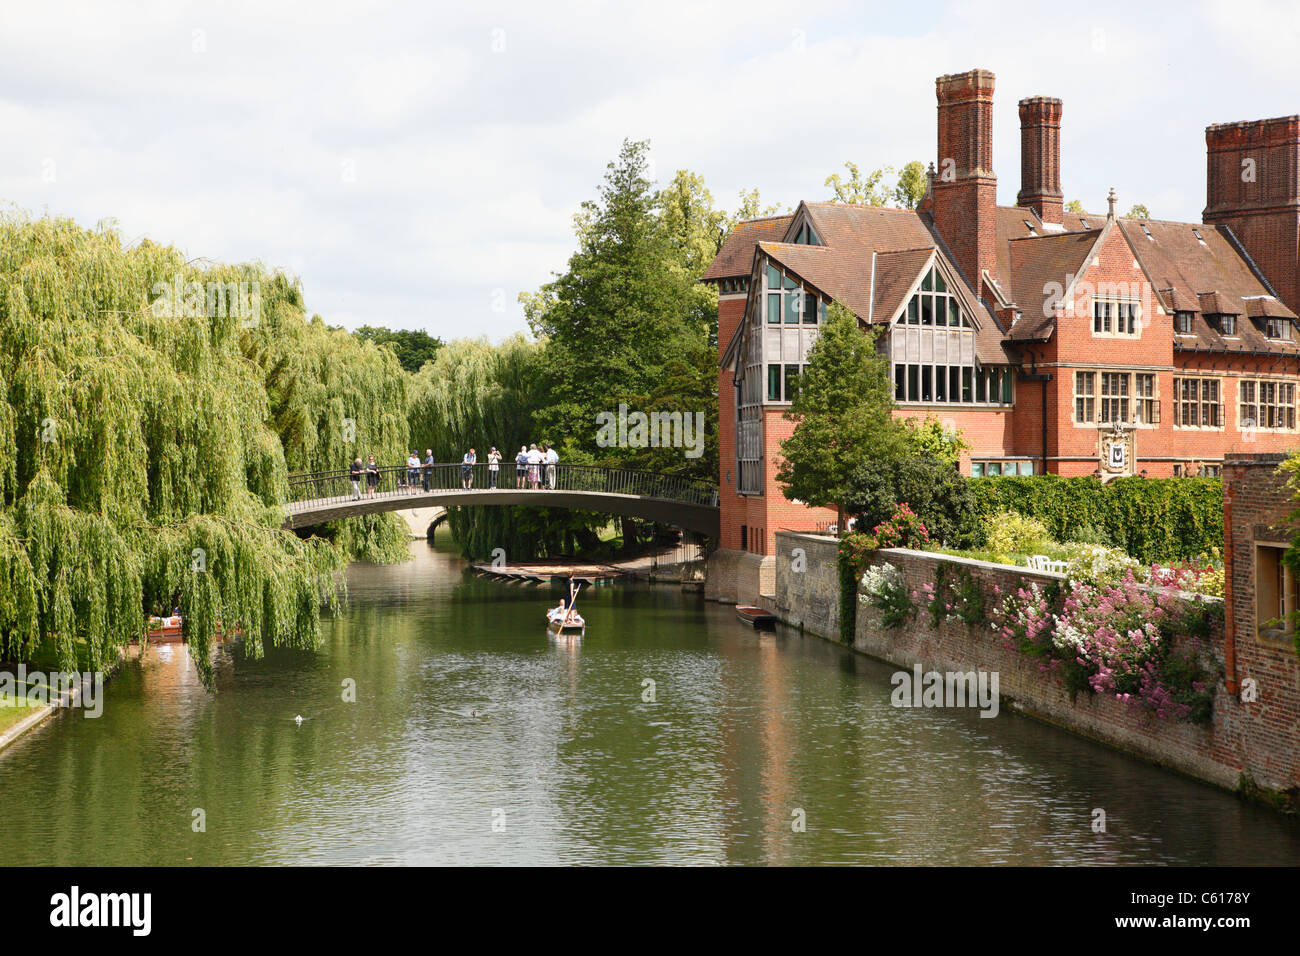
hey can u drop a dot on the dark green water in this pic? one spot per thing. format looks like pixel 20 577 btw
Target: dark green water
pixel 467 714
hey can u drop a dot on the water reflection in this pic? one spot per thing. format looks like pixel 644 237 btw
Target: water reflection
pixel 476 737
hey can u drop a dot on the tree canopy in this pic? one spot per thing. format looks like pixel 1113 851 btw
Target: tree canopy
pixel 872 188
pixel 155 406
pixel 413 347
pixel 842 412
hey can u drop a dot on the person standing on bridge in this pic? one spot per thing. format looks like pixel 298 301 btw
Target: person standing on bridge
pixel 467 469
pixel 494 466
pixel 372 477
pixel 412 471
pixel 521 466
pixel 552 460
pixel 534 463
pixel 426 473
pixel 355 474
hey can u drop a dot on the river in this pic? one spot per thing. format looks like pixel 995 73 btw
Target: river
pixel 669 733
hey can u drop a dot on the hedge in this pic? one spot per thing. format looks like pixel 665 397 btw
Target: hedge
pixel 1155 520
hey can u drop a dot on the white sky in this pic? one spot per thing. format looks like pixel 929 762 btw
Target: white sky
pixel 418 164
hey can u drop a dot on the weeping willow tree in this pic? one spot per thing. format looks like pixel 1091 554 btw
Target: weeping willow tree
pixel 475 394
pixel 154 407
pixel 332 397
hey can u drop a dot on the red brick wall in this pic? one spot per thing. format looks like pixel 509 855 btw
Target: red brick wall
pixel 1259 739
pixel 1260 201
pixel 1040 158
pixel 1257 504
pixel 964 187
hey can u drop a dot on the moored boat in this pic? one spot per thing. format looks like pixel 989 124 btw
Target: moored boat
pixel 755 616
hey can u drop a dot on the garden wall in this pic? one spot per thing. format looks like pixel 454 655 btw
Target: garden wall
pixel 1240 739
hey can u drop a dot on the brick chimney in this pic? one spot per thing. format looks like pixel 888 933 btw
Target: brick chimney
pixel 1253 187
pixel 1040 158
pixel 965 189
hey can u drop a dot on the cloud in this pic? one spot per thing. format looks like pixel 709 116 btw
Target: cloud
pixel 418 165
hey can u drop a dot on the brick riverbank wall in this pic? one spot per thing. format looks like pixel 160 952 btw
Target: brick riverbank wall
pixel 1253 739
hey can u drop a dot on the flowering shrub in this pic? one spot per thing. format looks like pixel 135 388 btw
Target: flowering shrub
pixel 884 589
pixel 904 530
pixel 877 578
pixel 1010 533
pixel 1091 564
pixel 1113 631
pixel 1116 639
pixel 1199 580
pixel 1026 620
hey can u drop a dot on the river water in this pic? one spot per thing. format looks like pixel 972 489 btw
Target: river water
pixel 669 733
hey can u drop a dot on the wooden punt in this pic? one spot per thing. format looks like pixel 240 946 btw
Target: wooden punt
pixel 755 616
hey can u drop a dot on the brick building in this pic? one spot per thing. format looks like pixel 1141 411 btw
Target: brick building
pixel 1057 342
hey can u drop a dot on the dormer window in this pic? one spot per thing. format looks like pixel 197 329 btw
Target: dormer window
pixel 1199 237
pixel 806 236
pixel 1226 323
pixel 1278 329
pixel 1148 232
pixel 1183 322
pixel 1030 226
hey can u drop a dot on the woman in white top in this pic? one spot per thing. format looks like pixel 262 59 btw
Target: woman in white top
pixel 534 460
pixel 494 466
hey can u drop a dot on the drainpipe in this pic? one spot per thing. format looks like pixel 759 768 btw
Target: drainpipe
pixel 1229 622
pixel 1042 378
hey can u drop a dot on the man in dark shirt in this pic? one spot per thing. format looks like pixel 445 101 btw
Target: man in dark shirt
pixel 355 474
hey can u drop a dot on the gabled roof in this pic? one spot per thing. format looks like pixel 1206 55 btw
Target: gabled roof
pixel 1207 276
pixel 1039 265
pixel 736 256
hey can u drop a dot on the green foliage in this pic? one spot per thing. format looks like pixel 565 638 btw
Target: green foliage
pixel 871 189
pixel 933 488
pixel 848 571
pixel 969 599
pixel 884 589
pixel 1010 533
pixel 1138 211
pixel 911 186
pixel 842 414
pixel 1155 520
pixel 933 438
pixel 413 347
pixel 151 436
pixel 628 322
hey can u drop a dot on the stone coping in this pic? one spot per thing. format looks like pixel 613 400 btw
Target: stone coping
pixel 995 566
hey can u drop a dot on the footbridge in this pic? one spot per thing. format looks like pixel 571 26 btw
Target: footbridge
pixel 687 503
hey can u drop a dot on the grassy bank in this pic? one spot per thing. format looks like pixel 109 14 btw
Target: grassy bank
pixel 12 710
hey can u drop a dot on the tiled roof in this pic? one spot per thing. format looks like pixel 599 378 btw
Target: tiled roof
pixel 736 257
pixel 1041 265
pixel 1206 276
pixel 1011 225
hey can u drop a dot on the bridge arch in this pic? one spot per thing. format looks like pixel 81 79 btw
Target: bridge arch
pixel 687 503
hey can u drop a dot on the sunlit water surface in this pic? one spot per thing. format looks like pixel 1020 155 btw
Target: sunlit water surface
pixel 669 733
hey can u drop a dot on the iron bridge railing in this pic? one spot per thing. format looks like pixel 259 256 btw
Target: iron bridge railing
pixel 311 489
